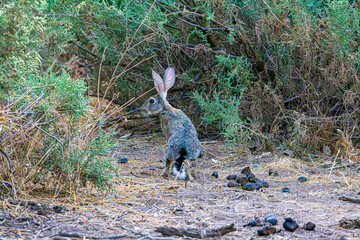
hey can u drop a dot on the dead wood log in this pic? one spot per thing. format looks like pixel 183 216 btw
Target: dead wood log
pixel 350 199
pixel 82 235
pixel 194 232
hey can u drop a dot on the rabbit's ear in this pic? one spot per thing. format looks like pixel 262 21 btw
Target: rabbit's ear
pixel 159 84
pixel 169 78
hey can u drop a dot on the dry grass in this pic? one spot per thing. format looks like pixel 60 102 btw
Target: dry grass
pixel 142 200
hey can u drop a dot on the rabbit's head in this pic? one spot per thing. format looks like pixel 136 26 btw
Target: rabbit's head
pixel 154 105
pixel 158 103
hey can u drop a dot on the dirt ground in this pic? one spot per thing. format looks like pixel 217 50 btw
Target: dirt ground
pixel 143 200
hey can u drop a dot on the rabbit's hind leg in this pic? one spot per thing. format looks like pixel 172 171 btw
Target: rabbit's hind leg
pixel 188 174
pixel 179 169
pixel 168 165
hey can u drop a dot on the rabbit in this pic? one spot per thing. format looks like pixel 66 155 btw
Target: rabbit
pixel 183 142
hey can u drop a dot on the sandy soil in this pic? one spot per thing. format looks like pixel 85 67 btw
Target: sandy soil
pixel 143 200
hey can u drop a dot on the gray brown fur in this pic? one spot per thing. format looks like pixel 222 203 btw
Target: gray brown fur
pixel 183 142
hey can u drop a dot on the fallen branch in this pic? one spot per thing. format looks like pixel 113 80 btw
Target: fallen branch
pixel 194 232
pixel 11 165
pixel 82 235
pixel 350 199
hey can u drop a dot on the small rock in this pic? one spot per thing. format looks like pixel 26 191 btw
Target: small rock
pixel 288 152
pixel 271 219
pixel 285 189
pixel 215 174
pixel 253 223
pixel 309 226
pixel 258 185
pixel 2 218
pixel 265 184
pixel 267 230
pixel 122 160
pixel 246 171
pixel 232 183
pixel 241 180
pixel 231 177
pixel 250 187
pixel 302 179
pixel 273 172
pixel 251 178
pixel 290 224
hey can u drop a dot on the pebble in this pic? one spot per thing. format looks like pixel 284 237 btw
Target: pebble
pixel 253 223
pixel 241 180
pixel 271 219
pixel 265 184
pixel 231 177
pixel 215 174
pixel 123 160
pixel 273 172
pixel 246 171
pixel 251 178
pixel 267 230
pixel 290 224
pixel 302 179
pixel 250 187
pixel 309 226
pixel 232 183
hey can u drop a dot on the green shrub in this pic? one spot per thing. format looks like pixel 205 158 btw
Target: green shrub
pixel 21 27
pixel 223 108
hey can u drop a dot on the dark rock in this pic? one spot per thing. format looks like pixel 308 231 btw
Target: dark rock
pixel 268 230
pixel 285 189
pixel 290 224
pixel 246 171
pixel 122 160
pixel 251 178
pixel 302 179
pixel 258 185
pixel 231 177
pixel 232 183
pixel 215 174
pixel 265 184
pixel 253 223
pixel 309 226
pixel 241 180
pixel 250 187
pixel 271 219
pixel 273 172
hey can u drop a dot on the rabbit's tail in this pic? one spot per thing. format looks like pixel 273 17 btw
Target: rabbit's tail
pixel 179 168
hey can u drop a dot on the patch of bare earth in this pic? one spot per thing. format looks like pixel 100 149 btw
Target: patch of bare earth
pixel 143 200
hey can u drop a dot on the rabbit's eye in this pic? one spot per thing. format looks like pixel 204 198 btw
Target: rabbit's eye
pixel 152 101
